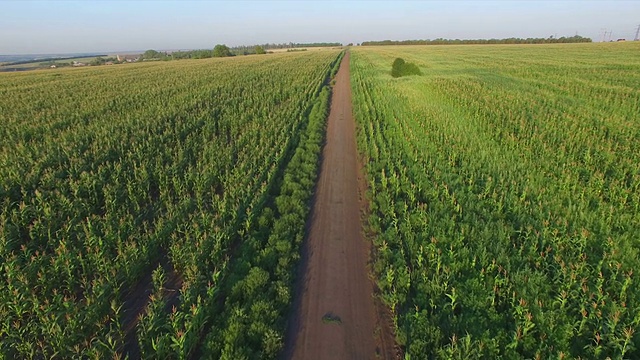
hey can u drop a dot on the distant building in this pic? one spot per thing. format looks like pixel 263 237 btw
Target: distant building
pixel 621 40
pixel 128 58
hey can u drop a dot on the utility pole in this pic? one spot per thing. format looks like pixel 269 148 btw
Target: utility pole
pixel 610 33
pixel 604 34
pixel 637 33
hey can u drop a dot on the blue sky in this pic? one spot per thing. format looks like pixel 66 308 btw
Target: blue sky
pixel 28 27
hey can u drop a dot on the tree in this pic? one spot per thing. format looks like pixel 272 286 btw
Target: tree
pixel 201 54
pixel 259 50
pixel 221 51
pixel 97 61
pixel 151 54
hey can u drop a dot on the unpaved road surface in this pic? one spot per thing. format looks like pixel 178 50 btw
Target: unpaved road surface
pixel 335 314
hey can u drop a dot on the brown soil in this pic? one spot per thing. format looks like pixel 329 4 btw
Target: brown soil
pixel 336 315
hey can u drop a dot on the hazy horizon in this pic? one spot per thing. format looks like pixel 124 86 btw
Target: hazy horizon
pixel 45 27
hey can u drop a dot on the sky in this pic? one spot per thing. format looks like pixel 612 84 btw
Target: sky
pixel 50 26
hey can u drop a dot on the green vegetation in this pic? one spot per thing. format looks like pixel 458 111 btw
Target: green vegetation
pixel 98 61
pixel 319 44
pixel 221 51
pixel 154 55
pixel 505 191
pixel 330 318
pixel 218 51
pixel 401 68
pixel 261 283
pixel 192 54
pixel 55 62
pixel 249 50
pixel 184 178
pixel 48 60
pixel 440 41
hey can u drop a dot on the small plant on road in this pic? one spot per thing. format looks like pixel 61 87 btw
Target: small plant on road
pixel 331 318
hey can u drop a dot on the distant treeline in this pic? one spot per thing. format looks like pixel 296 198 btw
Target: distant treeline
pixel 190 54
pixel 549 40
pixel 247 50
pixel 233 51
pixel 48 60
pixel 300 45
pixel 219 50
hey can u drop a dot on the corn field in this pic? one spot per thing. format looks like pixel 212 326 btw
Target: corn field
pixel 505 197
pixel 156 210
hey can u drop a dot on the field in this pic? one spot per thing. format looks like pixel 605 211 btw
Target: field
pixel 213 208
pixel 156 210
pixel 505 197
pixel 40 65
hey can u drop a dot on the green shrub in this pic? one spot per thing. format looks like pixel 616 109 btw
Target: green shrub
pixel 402 68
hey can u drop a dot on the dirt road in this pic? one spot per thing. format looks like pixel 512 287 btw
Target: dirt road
pixel 335 313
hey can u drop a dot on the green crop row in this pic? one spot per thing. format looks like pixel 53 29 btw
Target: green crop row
pixel 505 191
pixel 126 197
